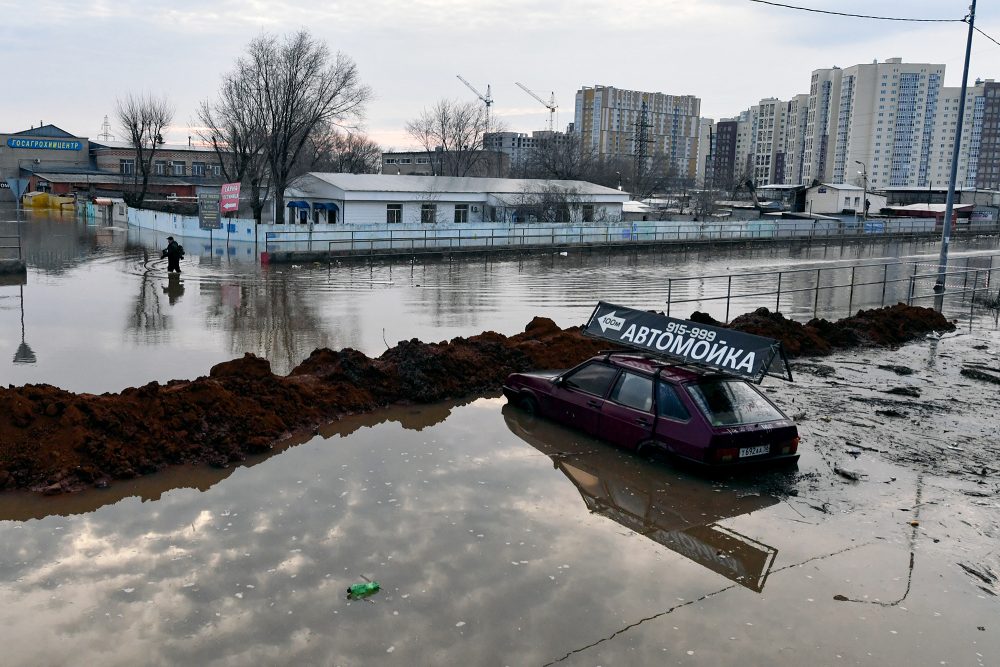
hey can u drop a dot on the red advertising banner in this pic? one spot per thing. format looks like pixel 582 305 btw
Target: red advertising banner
pixel 230 199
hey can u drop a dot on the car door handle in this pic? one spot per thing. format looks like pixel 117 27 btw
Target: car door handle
pixel 643 421
pixel 594 404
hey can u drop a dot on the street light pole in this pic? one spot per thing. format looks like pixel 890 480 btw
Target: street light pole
pixel 949 206
pixel 864 196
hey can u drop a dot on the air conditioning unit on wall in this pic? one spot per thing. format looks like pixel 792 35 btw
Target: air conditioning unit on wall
pixel 475 209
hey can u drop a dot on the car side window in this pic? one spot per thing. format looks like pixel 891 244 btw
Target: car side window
pixel 668 403
pixel 592 378
pixel 635 391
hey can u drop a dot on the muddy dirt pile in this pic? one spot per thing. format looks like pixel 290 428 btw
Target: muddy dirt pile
pixel 55 441
pixel 893 325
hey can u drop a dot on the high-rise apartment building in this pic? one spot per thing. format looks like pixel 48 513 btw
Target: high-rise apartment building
pixel 662 130
pixel 988 159
pixel 724 154
pixel 796 124
pixel 877 119
pixel 892 123
pixel 768 141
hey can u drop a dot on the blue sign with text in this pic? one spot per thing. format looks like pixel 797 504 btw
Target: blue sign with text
pixel 45 144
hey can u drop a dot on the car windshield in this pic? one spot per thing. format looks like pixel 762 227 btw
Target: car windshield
pixel 727 402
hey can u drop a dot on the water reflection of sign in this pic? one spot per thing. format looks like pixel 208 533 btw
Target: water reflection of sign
pixel 726 350
pixel 208 211
pixel 230 197
pixel 231 296
pixel 680 513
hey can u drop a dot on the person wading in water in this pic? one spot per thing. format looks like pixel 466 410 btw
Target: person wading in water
pixel 174 253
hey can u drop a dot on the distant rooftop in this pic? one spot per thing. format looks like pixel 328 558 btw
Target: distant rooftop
pixel 125 145
pixel 456 184
pixel 48 130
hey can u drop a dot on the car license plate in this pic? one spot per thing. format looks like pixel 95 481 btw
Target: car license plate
pixel 755 451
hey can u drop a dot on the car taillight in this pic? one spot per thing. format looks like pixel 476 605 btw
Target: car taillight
pixel 727 454
pixel 791 447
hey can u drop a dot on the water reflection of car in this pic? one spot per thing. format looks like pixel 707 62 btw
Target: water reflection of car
pixel 679 512
pixel 654 407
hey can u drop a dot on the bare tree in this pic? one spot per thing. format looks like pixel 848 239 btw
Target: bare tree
pixel 143 117
pixel 452 133
pixel 559 156
pixel 341 152
pixel 299 87
pixel 234 126
pixel 550 201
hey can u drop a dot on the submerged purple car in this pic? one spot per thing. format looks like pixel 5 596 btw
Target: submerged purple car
pixel 654 407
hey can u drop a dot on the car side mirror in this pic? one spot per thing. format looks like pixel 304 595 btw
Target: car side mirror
pixel 559 380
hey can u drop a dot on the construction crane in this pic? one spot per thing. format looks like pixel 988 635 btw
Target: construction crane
pixel 550 105
pixel 486 99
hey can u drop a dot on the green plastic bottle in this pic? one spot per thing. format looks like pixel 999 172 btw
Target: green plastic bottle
pixel 363 590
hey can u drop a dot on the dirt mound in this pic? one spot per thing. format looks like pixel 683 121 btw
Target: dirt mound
pixel 54 441
pixel 889 326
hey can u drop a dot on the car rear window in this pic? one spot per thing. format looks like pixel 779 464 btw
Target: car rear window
pixel 728 402
pixel 592 378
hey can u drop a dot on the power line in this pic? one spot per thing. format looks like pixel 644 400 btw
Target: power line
pixel 859 16
pixel 987 36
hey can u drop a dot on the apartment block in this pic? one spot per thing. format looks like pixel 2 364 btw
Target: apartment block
pixel 796 124
pixel 517 146
pixel 607 120
pixel 877 119
pixel 988 159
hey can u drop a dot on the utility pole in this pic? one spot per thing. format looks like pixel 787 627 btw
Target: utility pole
pixel 864 196
pixel 949 206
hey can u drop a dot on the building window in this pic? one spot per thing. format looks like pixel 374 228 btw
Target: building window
pixel 393 213
pixel 160 168
pixel 428 213
pixel 588 212
pixel 390 160
pixel 423 160
pixel 177 168
pixel 405 160
pixel 216 169
pixel 126 167
pixel 461 212
pixel 197 168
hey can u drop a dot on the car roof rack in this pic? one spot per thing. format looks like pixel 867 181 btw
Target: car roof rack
pixel 662 363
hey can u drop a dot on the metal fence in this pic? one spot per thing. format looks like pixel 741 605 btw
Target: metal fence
pixel 832 290
pixel 390 239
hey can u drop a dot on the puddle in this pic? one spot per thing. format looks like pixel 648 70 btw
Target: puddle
pixel 494 535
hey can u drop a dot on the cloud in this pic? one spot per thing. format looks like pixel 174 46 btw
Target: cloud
pixel 730 53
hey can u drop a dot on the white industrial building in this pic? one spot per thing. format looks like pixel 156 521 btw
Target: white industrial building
pixel 839 198
pixel 325 198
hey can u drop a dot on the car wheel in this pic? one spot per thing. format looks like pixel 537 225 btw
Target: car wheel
pixel 528 404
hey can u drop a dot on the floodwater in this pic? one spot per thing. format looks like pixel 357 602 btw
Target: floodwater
pixel 496 538
pixel 99 312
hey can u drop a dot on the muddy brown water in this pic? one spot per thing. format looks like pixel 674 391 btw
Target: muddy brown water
pixel 497 538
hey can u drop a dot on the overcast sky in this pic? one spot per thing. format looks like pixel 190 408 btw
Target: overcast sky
pixel 68 61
